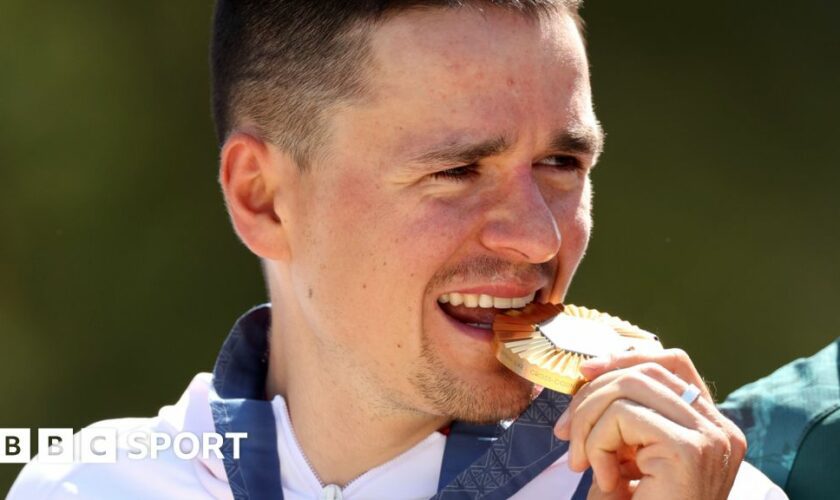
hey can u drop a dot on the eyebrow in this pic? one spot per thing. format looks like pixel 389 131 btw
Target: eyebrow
pixel 580 140
pixel 459 153
pixel 577 140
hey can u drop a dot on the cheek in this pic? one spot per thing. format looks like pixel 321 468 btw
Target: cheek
pixel 576 235
pixel 364 250
pixel 573 207
pixel 574 218
pixel 583 215
pixel 341 256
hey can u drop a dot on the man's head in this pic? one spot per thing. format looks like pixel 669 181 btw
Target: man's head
pixel 446 152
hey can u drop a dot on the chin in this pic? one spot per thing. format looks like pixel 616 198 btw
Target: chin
pixel 494 403
pixel 490 398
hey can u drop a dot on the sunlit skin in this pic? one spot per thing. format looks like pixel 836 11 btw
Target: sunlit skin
pixel 465 169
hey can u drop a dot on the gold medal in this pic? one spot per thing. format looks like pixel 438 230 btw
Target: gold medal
pixel 546 343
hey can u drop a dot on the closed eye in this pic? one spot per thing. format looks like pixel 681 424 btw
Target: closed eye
pixel 463 173
pixel 562 162
pixel 459 174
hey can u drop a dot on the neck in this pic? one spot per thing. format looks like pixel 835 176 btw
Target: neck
pixel 335 416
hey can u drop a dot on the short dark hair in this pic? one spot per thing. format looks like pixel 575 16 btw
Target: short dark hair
pixel 280 64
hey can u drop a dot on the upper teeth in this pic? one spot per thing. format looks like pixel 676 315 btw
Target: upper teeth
pixel 486 301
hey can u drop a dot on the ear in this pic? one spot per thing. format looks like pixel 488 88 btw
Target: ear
pixel 253 178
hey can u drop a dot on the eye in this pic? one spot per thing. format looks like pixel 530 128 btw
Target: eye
pixel 562 162
pixel 458 174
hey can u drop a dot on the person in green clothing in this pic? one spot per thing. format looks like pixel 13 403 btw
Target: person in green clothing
pixel 792 422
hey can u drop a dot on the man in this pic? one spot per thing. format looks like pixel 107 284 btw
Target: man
pixel 381 158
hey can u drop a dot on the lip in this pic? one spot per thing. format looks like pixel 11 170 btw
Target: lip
pixel 470 331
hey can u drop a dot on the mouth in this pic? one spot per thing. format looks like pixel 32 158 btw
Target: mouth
pixel 476 311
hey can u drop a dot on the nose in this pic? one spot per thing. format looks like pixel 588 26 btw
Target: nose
pixel 520 225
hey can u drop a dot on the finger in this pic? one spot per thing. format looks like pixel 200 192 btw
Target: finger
pixel 624 424
pixel 610 379
pixel 709 421
pixel 629 470
pixel 703 407
pixel 736 440
pixel 674 360
pixel 658 461
pixel 635 386
pixel 653 488
pixel 685 462
pixel 731 461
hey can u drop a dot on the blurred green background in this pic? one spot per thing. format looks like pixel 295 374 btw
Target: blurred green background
pixel 716 201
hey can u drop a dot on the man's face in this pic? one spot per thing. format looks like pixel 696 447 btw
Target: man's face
pixel 466 172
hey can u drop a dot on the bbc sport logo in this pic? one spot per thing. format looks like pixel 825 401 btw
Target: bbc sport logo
pixel 106 445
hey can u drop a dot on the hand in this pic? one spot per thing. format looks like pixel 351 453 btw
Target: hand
pixel 641 439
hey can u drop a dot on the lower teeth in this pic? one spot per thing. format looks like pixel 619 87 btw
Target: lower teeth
pixel 483 326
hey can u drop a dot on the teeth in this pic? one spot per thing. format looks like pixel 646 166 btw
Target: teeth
pixel 518 302
pixel 485 301
pixel 470 300
pixel 500 303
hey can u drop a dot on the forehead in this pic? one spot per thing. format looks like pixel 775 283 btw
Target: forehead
pixel 439 73
pixel 457 37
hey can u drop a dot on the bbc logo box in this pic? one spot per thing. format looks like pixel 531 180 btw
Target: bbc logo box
pixel 15 446
pixel 59 446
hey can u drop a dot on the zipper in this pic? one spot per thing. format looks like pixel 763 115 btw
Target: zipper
pixel 328 491
pixel 331 492
pixel 332 489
